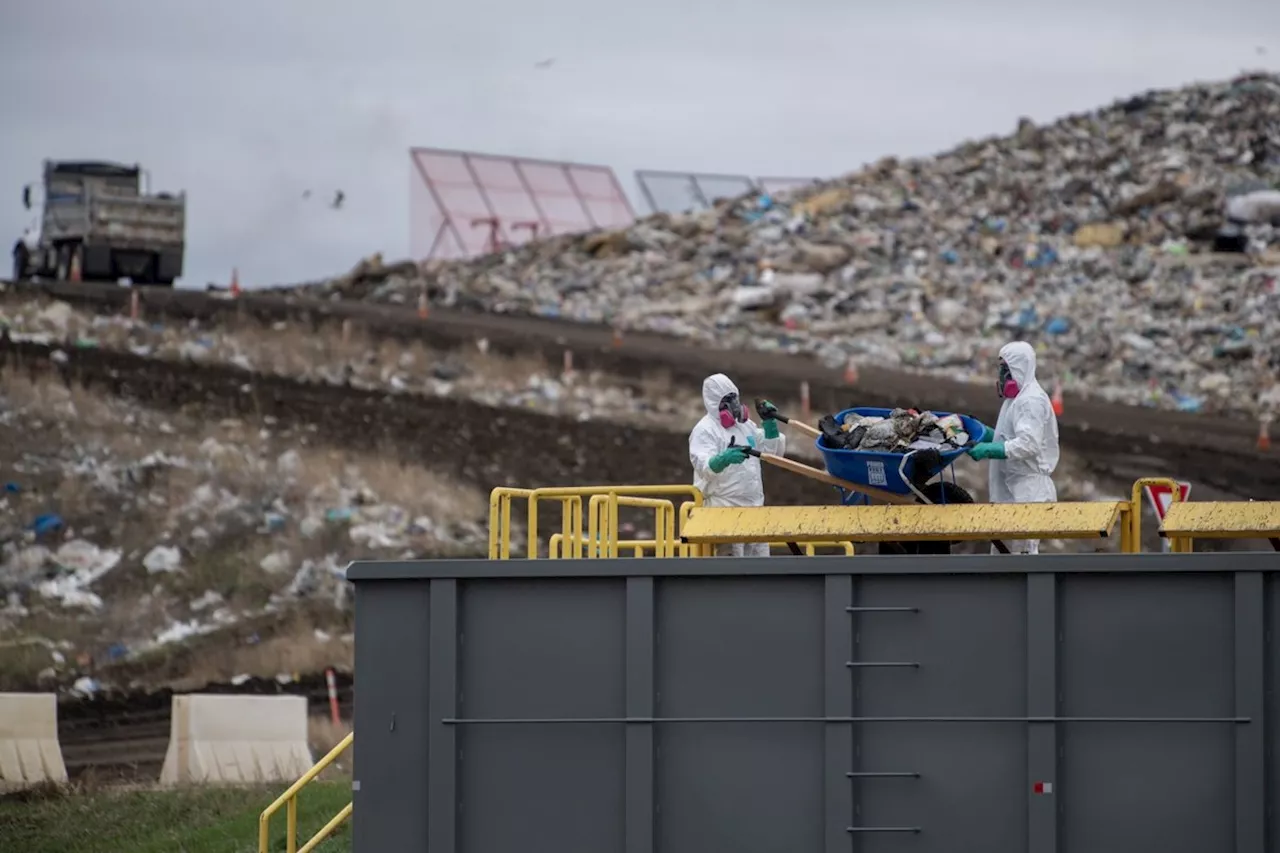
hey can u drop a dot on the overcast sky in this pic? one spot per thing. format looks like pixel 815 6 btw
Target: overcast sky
pixel 245 105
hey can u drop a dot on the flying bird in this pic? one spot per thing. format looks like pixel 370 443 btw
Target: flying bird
pixel 545 64
pixel 338 198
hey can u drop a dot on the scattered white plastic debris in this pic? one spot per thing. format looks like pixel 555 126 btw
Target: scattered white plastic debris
pixel 276 563
pixel 289 463
pixel 162 558
pixel 86 687
pixel 209 599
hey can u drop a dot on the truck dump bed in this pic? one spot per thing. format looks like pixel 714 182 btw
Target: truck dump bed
pixel 101 203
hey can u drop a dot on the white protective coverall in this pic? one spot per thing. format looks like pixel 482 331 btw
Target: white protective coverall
pixel 1029 430
pixel 736 485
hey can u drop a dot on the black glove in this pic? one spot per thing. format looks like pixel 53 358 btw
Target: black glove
pixel 766 410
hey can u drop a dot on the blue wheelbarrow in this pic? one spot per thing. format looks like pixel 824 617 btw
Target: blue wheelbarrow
pixel 864 476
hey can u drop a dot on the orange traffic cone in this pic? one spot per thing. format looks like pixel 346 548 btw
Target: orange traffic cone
pixel 424 310
pixel 1056 399
pixel 617 338
pixel 235 283
pixel 851 373
pixel 1264 434
pixel 74 272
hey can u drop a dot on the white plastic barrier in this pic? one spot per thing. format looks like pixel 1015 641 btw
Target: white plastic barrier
pixel 236 739
pixel 29 750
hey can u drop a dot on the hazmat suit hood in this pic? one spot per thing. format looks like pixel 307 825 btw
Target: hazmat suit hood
pixel 714 389
pixel 1021 358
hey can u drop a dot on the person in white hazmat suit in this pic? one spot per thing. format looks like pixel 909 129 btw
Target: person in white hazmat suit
pixel 1023 448
pixel 729 476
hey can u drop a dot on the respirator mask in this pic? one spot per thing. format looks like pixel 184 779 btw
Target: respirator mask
pixel 731 411
pixel 1006 385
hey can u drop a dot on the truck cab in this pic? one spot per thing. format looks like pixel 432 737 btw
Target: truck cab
pixel 99 224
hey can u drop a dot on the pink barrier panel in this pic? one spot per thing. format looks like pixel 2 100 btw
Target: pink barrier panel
pixel 464 204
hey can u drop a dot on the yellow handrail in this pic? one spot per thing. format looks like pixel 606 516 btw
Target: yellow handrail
pixel 643 547
pixel 290 798
pixel 602 512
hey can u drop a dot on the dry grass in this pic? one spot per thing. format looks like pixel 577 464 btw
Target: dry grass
pixel 55 398
pixel 243 455
pixel 347 350
pixel 323 736
pixel 291 349
pixel 293 649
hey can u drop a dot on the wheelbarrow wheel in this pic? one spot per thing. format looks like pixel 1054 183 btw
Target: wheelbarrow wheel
pixel 938 492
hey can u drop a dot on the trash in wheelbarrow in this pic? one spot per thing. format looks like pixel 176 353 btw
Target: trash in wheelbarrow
pixel 897 450
pixel 901 431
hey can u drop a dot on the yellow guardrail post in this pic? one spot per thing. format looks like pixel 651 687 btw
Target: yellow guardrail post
pixel 1135 510
pixel 1126 529
pixel 289 801
pixel 493 523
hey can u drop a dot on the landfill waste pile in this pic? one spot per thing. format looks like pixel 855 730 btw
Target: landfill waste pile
pixel 291 349
pixel 1135 245
pixel 904 430
pixel 125 531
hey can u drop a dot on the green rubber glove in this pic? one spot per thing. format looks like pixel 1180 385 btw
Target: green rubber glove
pixel 988 450
pixel 725 458
pixel 770 428
pixel 988 434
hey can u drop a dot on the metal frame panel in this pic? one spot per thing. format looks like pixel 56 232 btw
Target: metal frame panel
pixel 1005 703
pixel 681 192
pixel 463 204
pixel 774 185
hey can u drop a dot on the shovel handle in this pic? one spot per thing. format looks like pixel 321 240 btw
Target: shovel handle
pixel 751 451
pixel 811 431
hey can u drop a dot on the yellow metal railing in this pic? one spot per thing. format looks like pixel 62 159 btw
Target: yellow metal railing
pixel 289 801
pixel 601 535
pixel 602 505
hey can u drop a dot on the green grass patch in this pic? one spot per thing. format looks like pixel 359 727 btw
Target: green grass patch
pixel 184 820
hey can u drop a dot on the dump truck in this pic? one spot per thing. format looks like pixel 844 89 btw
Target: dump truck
pixel 99 223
